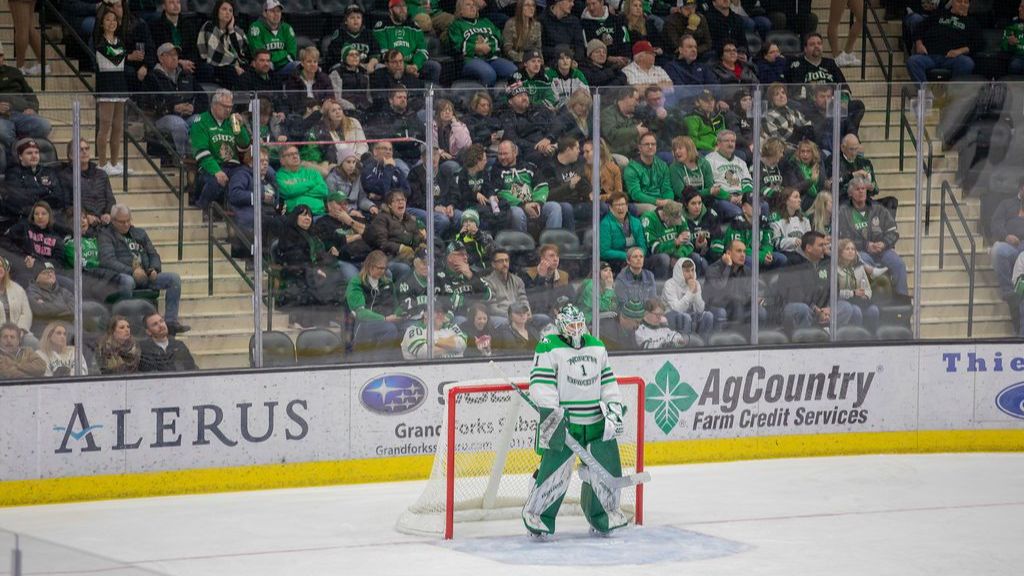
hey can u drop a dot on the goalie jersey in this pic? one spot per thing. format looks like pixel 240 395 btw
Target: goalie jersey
pixel 578 381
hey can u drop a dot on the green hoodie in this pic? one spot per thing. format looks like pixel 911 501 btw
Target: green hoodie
pixel 381 301
pixel 303 186
pixel 647 184
pixel 608 301
pixel 661 239
pixel 281 44
pixel 703 130
pixel 701 178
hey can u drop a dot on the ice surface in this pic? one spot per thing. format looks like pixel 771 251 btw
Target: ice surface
pixel 934 515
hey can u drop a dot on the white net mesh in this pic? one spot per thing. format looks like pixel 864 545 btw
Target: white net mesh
pixel 491 472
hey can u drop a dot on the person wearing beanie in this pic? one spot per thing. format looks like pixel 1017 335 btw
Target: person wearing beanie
pixel 667 235
pixel 597 69
pixel 346 178
pixel 28 182
pixel 479 244
pixel 600 25
pixel 353 37
pixel 354 77
pixel 534 78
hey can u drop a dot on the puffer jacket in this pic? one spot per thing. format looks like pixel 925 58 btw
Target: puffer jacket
pixel 389 233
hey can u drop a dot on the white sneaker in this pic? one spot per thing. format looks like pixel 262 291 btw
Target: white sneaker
pixel 852 59
pixel 879 271
pixel 841 59
pixel 120 168
pixel 112 169
pixel 34 70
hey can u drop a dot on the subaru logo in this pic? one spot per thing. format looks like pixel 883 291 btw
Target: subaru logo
pixel 1011 400
pixel 393 394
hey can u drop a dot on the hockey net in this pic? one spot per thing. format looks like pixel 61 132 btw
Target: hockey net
pixel 485 459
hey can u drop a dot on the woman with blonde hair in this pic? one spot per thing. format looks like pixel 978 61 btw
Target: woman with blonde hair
pixel 820 214
pixel 573 119
pixel 54 350
pixel 689 169
pixel 522 31
pixel 854 285
pixel 805 172
pixel 118 352
pixel 308 83
pixel 340 132
pixel 371 298
pixel 478 40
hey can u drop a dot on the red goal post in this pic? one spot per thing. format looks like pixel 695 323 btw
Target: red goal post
pixel 484 462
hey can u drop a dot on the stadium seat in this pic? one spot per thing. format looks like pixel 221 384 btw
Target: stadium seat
pixel 788 42
pixel 727 339
pixel 695 341
pixel 569 249
pixel 769 337
pixel 95 317
pixel 278 349
pixel 203 7
pixel 303 41
pixel 515 242
pixel 134 310
pixel 806 335
pixel 251 8
pixel 853 334
pixel 462 92
pixel 318 346
pixel 894 333
pixel 753 45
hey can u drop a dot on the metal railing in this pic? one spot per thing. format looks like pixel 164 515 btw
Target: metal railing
pixel 245 238
pixel 907 130
pixel 868 37
pixel 46 10
pixel 150 130
pixel 944 224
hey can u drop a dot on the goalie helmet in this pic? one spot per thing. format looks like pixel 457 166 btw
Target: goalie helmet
pixel 571 324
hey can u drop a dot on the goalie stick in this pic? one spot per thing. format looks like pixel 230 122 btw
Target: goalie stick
pixel 596 470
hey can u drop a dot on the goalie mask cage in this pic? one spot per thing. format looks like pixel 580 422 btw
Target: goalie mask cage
pixel 485 458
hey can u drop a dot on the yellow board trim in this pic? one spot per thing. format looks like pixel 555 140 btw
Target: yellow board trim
pixel 111 486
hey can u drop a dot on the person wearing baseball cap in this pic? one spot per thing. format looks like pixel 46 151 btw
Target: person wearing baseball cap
pixel 533 77
pixel 396 33
pixel 353 35
pixel 642 71
pixel 179 97
pixel 271 33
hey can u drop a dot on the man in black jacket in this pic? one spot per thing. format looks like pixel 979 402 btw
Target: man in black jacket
pixel 945 40
pixel 726 26
pixel 398 119
pixel 28 182
pixel 814 68
pixel 175 98
pixel 727 286
pixel 181 31
pixel 528 126
pixel 161 352
pixel 804 289
pixel 560 27
pixel 128 251
pixel 97 196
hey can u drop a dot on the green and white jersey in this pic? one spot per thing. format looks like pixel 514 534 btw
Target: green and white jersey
pixel 215 144
pixel 576 380
pixel 414 343
pixel 408 40
pixel 280 43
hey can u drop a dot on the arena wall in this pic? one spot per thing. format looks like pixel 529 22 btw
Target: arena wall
pixel 63 442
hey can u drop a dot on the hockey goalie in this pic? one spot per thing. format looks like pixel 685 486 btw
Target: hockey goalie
pixel 576 393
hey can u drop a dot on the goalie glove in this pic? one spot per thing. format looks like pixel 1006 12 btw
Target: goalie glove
pixel 613 413
pixel 551 429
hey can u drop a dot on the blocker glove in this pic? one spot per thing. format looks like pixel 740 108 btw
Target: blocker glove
pixel 551 431
pixel 613 413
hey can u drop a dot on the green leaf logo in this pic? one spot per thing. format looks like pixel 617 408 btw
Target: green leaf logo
pixel 666 397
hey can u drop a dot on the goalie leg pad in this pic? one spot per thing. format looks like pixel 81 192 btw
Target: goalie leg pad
pixel 600 504
pixel 546 496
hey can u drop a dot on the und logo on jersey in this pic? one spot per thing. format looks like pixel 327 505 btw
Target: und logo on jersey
pixel 392 394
